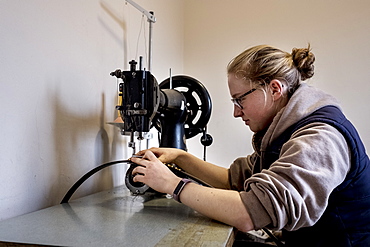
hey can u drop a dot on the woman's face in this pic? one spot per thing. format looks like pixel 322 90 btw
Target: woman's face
pixel 258 108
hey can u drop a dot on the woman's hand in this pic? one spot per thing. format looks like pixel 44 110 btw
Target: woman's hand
pixel 165 155
pixel 211 174
pixel 152 172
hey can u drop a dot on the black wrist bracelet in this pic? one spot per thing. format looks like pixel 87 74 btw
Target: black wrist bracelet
pixel 180 186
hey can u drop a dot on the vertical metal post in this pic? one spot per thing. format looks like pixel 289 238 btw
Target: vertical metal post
pixel 150 43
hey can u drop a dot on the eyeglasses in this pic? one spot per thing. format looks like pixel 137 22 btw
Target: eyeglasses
pixel 238 101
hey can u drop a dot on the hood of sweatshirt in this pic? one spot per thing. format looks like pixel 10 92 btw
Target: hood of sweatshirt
pixel 305 100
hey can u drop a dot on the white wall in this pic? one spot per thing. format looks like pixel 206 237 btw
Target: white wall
pixel 57 94
pixel 216 31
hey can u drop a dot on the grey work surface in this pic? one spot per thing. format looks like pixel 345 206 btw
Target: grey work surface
pixel 116 218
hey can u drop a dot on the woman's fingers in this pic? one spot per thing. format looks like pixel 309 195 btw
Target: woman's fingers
pixel 138 173
pixel 143 163
pixel 149 155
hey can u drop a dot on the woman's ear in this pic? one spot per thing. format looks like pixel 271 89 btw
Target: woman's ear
pixel 277 89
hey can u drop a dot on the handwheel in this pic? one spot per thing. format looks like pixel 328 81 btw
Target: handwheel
pixel 198 102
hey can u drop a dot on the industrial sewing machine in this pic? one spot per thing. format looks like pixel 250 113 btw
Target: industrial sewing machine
pixel 179 108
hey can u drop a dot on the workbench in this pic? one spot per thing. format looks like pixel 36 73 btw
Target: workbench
pixel 116 218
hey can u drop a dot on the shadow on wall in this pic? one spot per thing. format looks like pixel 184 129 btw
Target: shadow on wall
pixel 79 149
pixel 102 153
pixel 117 37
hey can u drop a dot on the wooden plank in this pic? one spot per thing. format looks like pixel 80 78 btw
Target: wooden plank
pixel 199 232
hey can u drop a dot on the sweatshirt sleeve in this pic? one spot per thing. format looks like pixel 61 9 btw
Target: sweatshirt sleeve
pixel 239 171
pixel 294 191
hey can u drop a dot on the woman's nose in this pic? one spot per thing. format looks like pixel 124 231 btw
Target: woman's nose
pixel 237 111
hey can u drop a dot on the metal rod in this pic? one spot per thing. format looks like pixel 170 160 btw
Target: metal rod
pixel 170 78
pixel 150 43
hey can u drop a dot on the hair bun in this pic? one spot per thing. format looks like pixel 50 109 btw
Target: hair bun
pixel 303 59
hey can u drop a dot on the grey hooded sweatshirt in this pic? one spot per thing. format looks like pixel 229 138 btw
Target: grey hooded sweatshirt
pixel 294 191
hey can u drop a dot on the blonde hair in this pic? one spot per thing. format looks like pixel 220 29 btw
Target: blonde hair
pixel 263 63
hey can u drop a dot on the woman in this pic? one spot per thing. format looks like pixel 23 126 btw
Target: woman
pixel 309 173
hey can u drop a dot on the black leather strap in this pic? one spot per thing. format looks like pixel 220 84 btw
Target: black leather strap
pixel 180 186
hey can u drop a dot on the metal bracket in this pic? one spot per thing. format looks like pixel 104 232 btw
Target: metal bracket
pixel 151 20
pixel 150 16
